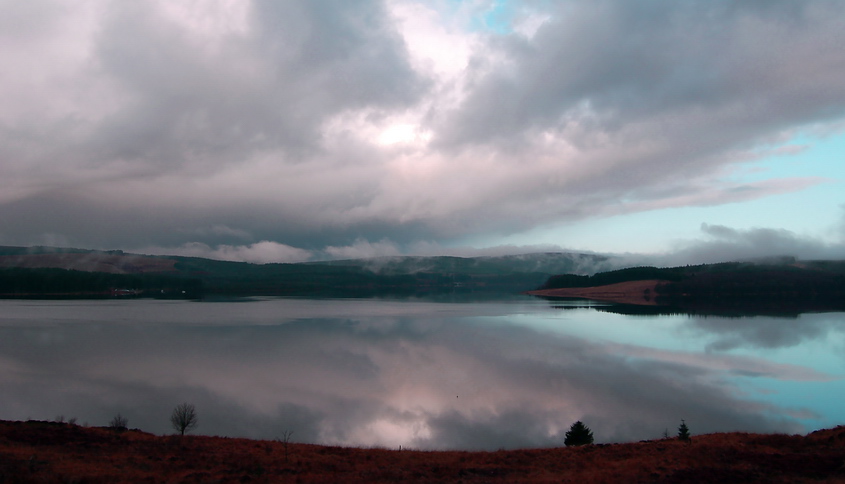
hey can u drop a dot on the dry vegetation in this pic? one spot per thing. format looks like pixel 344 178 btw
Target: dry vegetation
pixel 632 292
pixel 47 452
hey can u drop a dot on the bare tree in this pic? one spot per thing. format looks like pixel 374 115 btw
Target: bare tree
pixel 119 422
pixel 286 435
pixel 184 418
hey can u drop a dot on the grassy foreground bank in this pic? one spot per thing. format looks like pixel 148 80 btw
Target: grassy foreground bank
pixel 48 452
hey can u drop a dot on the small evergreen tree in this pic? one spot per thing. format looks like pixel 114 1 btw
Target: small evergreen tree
pixel 683 432
pixel 578 434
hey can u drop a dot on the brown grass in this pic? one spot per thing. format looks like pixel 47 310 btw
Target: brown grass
pixel 632 292
pixel 52 452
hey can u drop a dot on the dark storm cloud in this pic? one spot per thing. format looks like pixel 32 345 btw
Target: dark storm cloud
pixel 318 124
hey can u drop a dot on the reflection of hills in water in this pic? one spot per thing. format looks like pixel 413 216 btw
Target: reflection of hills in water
pixel 741 309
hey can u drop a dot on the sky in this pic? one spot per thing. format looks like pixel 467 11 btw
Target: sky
pixel 285 131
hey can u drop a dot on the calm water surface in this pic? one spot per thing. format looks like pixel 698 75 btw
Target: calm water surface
pixel 436 375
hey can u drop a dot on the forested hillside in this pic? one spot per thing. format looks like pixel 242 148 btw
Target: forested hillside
pixel 60 272
pixel 49 282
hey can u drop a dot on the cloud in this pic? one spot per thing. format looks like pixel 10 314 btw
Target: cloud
pixel 616 64
pixel 435 249
pixel 363 249
pixel 316 124
pixel 729 334
pixel 263 252
pixel 225 231
pixel 715 194
pixel 727 244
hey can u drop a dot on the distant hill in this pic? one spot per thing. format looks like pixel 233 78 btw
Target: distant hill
pixel 67 272
pixel 113 262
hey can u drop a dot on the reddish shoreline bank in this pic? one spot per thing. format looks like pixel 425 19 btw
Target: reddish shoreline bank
pixel 634 292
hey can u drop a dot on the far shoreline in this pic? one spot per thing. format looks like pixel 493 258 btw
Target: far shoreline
pixel 640 293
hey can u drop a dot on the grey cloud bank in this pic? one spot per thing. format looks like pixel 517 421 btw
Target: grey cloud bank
pixel 274 131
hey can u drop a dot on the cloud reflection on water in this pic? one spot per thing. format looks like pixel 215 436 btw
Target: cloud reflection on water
pixel 732 333
pixel 436 377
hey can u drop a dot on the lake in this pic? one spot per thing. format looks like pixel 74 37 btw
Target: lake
pixel 506 373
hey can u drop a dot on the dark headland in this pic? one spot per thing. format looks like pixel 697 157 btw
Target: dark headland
pixel 789 287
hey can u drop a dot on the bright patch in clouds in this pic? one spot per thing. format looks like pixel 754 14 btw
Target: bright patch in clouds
pixel 259 253
pixel 363 249
pixel 310 129
pixel 401 133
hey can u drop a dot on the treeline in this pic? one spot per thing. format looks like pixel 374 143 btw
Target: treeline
pixel 763 283
pixel 324 280
pixel 24 282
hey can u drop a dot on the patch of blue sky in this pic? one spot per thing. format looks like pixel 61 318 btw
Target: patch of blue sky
pixel 813 211
pixel 492 16
pixel 802 156
pixel 498 18
pixel 822 158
